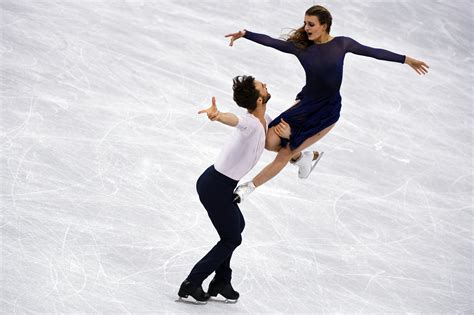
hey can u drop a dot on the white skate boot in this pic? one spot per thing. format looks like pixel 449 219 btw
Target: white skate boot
pixel 307 162
pixel 242 191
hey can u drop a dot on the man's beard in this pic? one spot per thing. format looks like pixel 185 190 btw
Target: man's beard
pixel 266 98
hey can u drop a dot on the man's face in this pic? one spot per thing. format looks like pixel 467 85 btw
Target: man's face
pixel 262 89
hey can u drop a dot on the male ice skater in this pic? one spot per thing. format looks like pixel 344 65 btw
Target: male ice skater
pixel 216 185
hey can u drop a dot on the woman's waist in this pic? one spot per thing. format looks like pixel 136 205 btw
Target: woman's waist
pixel 308 94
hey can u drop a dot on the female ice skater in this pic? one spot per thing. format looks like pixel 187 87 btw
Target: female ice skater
pixel 318 105
pixel 216 185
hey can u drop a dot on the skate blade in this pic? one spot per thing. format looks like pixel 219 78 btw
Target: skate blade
pixel 315 162
pixel 225 301
pixel 190 300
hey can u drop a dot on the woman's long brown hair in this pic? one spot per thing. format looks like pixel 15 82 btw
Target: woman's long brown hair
pixel 299 36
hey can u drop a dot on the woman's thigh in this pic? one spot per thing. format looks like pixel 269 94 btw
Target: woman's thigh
pixel 313 139
pixel 272 141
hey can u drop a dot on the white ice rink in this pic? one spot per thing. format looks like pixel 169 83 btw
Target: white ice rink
pixel 101 146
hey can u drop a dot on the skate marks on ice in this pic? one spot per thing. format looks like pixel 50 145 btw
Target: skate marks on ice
pixel 100 142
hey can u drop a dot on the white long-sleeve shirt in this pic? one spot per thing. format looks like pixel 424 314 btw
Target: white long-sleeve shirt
pixel 244 149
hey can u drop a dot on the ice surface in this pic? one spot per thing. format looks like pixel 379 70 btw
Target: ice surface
pixel 101 146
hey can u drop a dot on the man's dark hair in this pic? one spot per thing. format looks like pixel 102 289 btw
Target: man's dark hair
pixel 245 93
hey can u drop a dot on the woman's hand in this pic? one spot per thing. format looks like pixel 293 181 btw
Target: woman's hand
pixel 283 130
pixel 419 66
pixel 235 36
pixel 212 112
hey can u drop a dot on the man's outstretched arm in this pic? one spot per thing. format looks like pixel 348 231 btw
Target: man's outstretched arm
pixel 214 114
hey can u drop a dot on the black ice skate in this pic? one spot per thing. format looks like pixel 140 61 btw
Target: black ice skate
pixel 224 289
pixel 189 289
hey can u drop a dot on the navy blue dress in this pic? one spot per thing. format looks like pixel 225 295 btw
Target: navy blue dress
pixel 320 100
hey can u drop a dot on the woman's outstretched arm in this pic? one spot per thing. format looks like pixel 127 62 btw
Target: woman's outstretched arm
pixel 354 47
pixel 281 45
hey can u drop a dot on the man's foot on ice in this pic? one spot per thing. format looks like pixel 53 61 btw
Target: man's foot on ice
pixel 307 162
pixel 196 292
pixel 223 288
pixel 242 191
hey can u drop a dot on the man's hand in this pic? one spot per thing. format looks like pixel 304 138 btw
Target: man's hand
pixel 283 130
pixel 212 112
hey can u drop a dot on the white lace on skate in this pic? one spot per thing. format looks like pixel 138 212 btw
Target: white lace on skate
pixel 242 191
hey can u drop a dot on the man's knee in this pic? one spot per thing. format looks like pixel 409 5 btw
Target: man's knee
pixel 233 242
pixel 237 241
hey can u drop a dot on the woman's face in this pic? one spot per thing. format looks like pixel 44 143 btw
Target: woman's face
pixel 313 29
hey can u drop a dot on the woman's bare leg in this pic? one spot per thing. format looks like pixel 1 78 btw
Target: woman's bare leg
pixel 272 141
pixel 283 157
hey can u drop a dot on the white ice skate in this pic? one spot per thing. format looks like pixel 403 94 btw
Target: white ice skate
pixel 242 191
pixel 307 162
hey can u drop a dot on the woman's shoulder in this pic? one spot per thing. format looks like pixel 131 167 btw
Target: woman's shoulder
pixel 345 41
pixel 343 38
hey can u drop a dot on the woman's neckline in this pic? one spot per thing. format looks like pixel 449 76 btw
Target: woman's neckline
pixel 325 42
